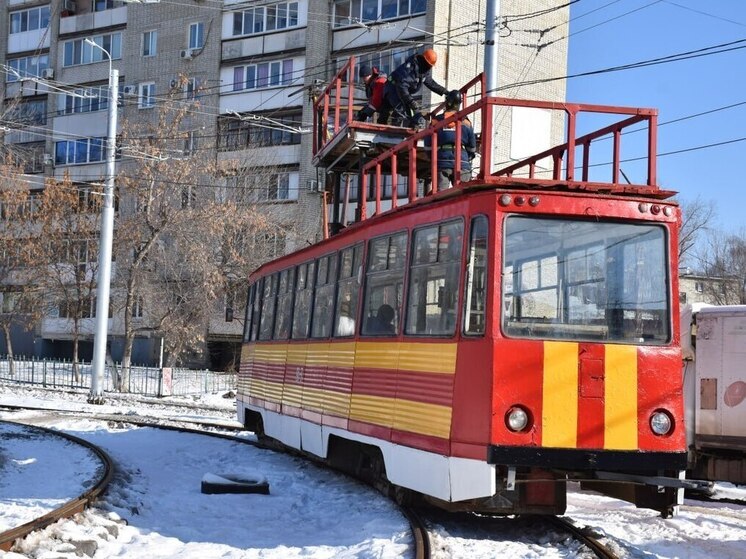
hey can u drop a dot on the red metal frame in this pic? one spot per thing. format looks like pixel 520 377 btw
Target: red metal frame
pixel 334 112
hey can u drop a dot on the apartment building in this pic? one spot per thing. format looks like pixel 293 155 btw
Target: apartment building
pixel 254 67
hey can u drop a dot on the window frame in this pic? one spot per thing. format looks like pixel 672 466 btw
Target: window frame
pixel 249 16
pixel 196 32
pixel 367 276
pixel 149 43
pixel 143 101
pixel 329 285
pixel 466 302
pixel 412 265
pixel 42 22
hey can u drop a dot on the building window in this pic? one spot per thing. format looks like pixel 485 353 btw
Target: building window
pixel 236 134
pixel 386 61
pixel 188 196
pixel 196 35
pixel 267 74
pixel 26 67
pixel 85 100
pixel 29 20
pixel 146 95
pixel 149 43
pixel 78 52
pixel 84 150
pixel 191 87
pixel 137 307
pixel 28 112
pixel 190 142
pixel 30 157
pixel 101 5
pixel 699 286
pixel 255 186
pixel 349 12
pixel 265 18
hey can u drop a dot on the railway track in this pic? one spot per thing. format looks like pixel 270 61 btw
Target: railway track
pixel 601 550
pixel 70 508
pixel 420 536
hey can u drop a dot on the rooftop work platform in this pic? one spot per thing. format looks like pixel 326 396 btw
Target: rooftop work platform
pixel 385 156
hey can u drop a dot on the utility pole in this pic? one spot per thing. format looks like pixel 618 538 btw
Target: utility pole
pixel 103 284
pixel 490 46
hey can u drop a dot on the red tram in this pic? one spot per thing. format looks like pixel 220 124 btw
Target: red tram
pixel 481 345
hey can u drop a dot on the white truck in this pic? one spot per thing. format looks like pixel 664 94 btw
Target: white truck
pixel 714 352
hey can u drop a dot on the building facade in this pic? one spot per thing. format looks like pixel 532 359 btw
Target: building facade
pixel 254 66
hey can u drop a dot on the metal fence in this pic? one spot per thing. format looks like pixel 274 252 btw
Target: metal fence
pixel 147 381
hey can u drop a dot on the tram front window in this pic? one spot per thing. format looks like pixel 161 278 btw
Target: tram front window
pixel 585 280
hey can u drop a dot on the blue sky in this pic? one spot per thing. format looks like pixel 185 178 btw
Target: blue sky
pixel 607 33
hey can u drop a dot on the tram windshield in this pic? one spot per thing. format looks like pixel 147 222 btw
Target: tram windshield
pixel 585 280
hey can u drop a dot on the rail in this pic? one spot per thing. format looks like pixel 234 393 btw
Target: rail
pixel 70 508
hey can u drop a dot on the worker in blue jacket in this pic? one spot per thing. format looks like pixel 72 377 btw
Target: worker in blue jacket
pixel 446 152
pixel 403 83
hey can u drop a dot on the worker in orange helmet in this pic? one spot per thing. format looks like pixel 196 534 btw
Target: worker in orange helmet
pixel 404 82
pixel 375 84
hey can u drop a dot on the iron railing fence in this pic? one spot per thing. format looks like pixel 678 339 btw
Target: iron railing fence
pixel 143 380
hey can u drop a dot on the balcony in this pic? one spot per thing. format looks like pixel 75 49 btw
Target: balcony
pixel 266 44
pixel 93 20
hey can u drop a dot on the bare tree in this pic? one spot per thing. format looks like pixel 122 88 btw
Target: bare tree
pixel 68 226
pixel 723 261
pixel 697 216
pixel 20 296
pixel 182 241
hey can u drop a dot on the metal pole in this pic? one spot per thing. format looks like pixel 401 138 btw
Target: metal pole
pixel 96 395
pixel 490 46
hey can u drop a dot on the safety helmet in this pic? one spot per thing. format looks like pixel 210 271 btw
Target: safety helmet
pixel 453 99
pixel 430 56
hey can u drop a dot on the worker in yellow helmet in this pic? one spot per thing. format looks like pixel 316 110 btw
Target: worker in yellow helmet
pixel 403 83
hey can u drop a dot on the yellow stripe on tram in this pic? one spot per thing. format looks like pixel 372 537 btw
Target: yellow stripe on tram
pixel 620 415
pixel 559 418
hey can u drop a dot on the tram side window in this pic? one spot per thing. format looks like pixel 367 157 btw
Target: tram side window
pixel 268 307
pixel 384 285
pixel 303 298
pixel 257 307
pixel 434 280
pixel 350 261
pixel 323 303
pixel 475 290
pixel 249 313
pixel 284 304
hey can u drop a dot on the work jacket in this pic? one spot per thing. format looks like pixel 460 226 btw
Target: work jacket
pixel 407 80
pixel 447 143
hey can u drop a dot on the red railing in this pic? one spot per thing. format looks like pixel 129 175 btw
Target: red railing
pixel 334 110
pixel 329 117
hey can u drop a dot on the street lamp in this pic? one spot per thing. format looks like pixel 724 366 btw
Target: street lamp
pixel 103 284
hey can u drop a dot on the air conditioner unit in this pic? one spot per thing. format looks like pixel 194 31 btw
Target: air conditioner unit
pixel 312 185
pixel 47 73
pixel 69 6
pixel 129 90
pixel 186 54
pixel 48 159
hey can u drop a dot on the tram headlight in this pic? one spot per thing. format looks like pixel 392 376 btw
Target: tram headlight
pixel 516 419
pixel 661 423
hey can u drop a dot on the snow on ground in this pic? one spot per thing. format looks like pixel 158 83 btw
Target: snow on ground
pixel 27 456
pixel 154 508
